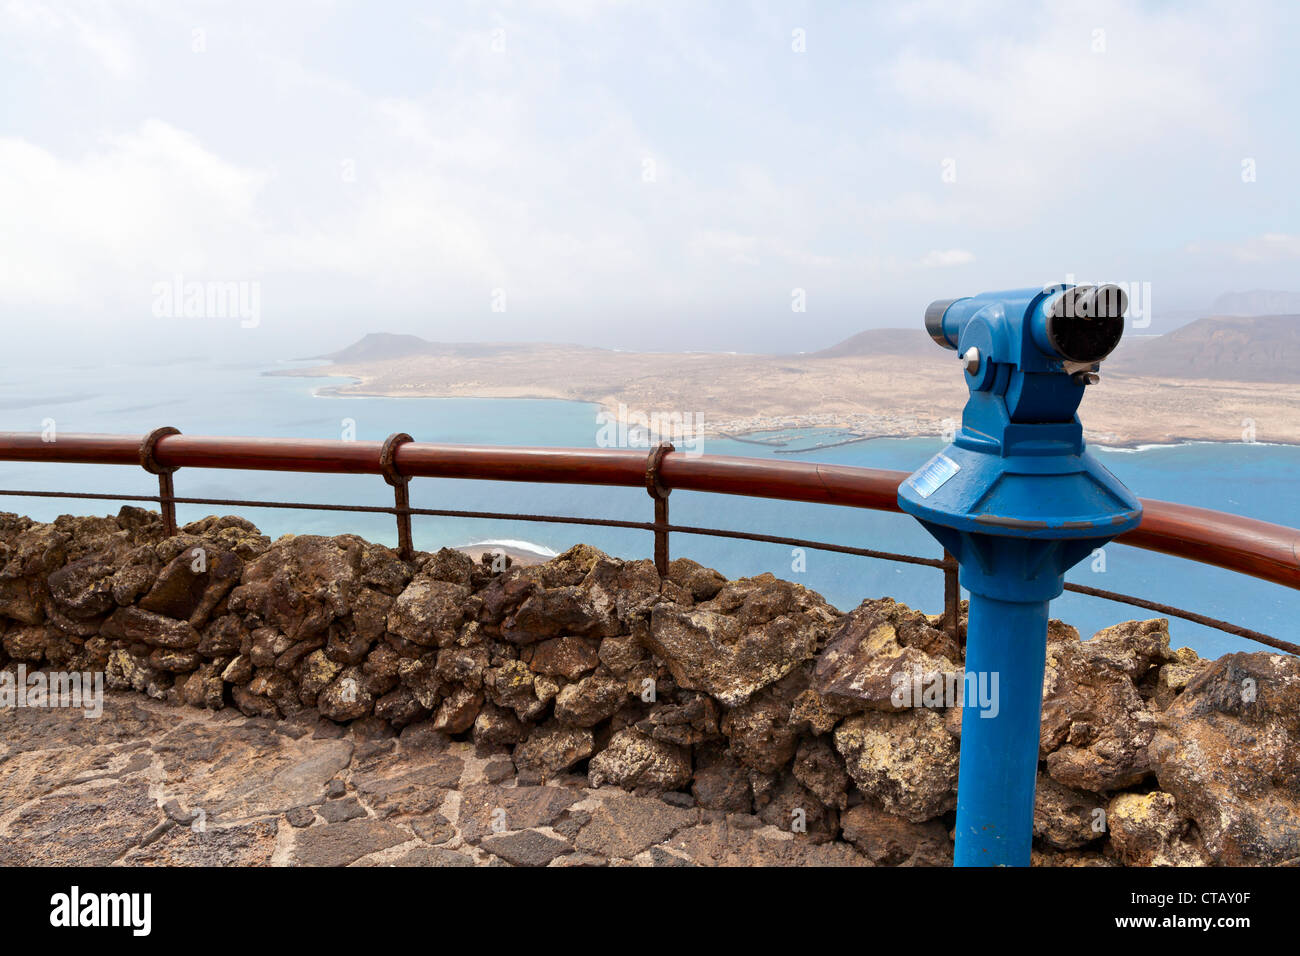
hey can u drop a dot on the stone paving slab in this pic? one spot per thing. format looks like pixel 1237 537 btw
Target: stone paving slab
pixel 151 784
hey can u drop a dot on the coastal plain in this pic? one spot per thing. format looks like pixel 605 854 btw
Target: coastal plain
pixel 887 383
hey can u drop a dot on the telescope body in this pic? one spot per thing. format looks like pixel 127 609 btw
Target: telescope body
pixel 1018 500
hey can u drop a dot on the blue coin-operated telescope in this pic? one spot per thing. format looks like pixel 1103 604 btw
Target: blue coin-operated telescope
pixel 1018 501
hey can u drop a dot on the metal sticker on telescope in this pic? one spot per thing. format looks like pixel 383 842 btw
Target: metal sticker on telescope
pixel 933 474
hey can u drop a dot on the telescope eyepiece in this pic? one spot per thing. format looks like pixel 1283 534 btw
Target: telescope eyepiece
pixel 934 322
pixel 1085 323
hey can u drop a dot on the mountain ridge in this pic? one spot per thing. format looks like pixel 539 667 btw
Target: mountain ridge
pixel 1261 348
pixel 1222 347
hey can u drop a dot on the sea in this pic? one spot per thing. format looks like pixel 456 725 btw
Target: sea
pixel 209 397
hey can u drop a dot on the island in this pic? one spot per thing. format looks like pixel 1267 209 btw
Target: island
pixel 1221 379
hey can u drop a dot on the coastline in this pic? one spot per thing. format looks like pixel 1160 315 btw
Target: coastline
pixel 519 556
pixel 1167 406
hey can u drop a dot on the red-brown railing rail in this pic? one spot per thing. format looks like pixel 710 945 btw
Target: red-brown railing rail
pixel 1244 545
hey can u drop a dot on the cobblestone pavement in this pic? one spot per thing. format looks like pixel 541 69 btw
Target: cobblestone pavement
pixel 148 783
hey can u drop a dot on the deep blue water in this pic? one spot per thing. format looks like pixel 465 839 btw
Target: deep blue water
pixel 200 397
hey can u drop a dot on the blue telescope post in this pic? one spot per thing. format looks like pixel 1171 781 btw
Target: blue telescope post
pixel 1018 501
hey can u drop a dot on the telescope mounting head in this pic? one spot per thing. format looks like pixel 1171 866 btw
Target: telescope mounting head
pixel 1028 355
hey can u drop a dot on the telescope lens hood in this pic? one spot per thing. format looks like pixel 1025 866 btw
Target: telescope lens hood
pixel 1086 323
pixel 934 322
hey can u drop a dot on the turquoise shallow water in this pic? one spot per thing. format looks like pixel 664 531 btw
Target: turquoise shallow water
pixel 1260 481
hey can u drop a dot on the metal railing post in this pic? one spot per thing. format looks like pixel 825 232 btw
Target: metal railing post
pixel 166 488
pixel 401 492
pixel 951 597
pixel 660 494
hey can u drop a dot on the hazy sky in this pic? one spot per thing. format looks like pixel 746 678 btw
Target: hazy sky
pixel 633 174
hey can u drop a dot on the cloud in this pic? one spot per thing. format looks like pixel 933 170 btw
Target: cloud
pixel 1268 248
pixel 137 207
pixel 399 163
pixel 711 246
pixel 37 23
pixel 1024 117
pixel 941 258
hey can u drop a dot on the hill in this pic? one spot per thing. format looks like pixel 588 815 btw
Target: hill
pixel 882 342
pixel 1228 348
pixel 378 346
pixel 1260 348
pixel 386 346
pixel 1256 302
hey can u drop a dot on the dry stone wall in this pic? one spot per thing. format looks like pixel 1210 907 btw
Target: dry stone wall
pixel 752 696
